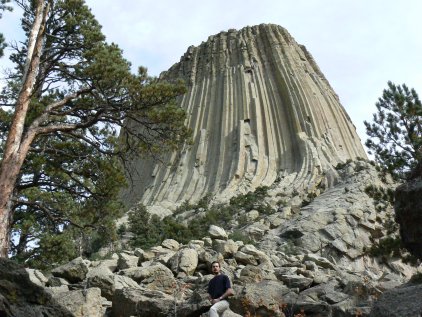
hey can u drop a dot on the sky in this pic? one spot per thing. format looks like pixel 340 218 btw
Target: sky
pixel 358 44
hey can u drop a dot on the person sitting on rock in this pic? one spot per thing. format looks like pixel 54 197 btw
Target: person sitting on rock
pixel 219 288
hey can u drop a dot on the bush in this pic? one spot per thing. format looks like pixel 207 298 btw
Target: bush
pixel 145 228
pixel 253 200
pixel 150 230
pixel 238 235
pixel 416 278
pixel 388 247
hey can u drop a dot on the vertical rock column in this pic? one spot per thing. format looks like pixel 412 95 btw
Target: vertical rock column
pixel 260 110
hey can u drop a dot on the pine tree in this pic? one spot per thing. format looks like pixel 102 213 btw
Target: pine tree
pixel 395 134
pixel 76 111
pixel 3 7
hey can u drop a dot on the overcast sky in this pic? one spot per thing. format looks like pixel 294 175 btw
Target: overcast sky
pixel 358 44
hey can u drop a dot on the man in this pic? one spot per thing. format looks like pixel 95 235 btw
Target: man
pixel 219 289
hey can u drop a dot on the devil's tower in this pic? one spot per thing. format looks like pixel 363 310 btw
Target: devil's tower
pixel 262 113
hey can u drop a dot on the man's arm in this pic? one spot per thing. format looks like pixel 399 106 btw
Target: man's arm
pixel 227 293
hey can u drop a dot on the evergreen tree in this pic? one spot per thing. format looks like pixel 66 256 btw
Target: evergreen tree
pixel 395 135
pixel 3 7
pixel 76 111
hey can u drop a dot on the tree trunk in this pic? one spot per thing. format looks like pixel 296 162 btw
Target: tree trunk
pixel 17 143
pixel 8 177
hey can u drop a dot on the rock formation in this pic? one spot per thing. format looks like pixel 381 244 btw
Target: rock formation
pixel 22 293
pixel 261 112
pixel 408 208
pixel 403 301
pixel 314 259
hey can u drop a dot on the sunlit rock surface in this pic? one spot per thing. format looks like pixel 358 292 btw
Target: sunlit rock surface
pixel 261 112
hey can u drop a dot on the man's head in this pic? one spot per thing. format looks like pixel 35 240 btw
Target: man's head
pixel 215 268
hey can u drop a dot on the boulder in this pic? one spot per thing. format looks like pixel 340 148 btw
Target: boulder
pixel 217 232
pixel 253 274
pixel 129 302
pixel 75 271
pixel 243 258
pixel 296 281
pixel 127 261
pixel 56 281
pixel 208 256
pixel 105 283
pixel 252 215
pixel 155 276
pixel 82 303
pixel 20 297
pixel 170 244
pixel 263 298
pixel 256 231
pixel 103 267
pixel 144 255
pixel 37 277
pixel 226 247
pixel 109 283
pixel 185 260
pixel 319 260
pixel 263 259
pixel 404 301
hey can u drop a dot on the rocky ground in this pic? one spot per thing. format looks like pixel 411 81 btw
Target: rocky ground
pixel 309 259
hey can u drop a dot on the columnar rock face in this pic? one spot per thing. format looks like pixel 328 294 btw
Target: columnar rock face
pixel 261 112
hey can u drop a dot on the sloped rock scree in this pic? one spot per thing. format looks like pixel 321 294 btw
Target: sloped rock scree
pixel 325 271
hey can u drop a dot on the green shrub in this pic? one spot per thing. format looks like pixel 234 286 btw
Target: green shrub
pixel 238 235
pixel 340 166
pixel 416 278
pixel 145 228
pixel 379 194
pixel 253 200
pixel 389 247
pixel 150 230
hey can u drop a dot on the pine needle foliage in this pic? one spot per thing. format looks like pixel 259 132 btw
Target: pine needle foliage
pixel 395 133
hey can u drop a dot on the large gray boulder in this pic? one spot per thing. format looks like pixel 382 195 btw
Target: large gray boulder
pixel 404 301
pixel 226 247
pixel 155 277
pixel 263 298
pixel 128 302
pixel 103 267
pixel 109 283
pixel 75 271
pixel 82 303
pixel 20 297
pixel 127 261
pixel 170 244
pixel 37 277
pixel 253 274
pixel 185 260
pixel 217 232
